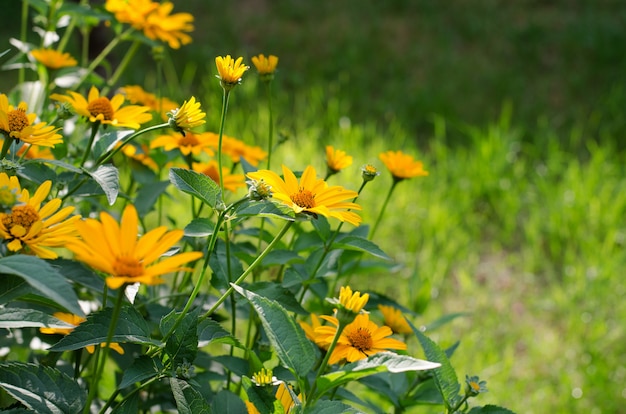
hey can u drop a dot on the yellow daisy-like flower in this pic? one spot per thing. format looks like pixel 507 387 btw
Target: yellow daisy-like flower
pixel 170 28
pixel 337 160
pixel 236 149
pixel 402 166
pixel 189 143
pixel 10 190
pixel 35 152
pixel 16 123
pixel 76 320
pixel 53 59
pixel 137 95
pixel 352 301
pixel 117 250
pixel 188 116
pixel 309 330
pixel 34 228
pixel 142 156
pixel 230 71
pixel 231 181
pixel 395 319
pixel 311 194
pixel 360 339
pixel 265 65
pixel 108 112
pixel 133 12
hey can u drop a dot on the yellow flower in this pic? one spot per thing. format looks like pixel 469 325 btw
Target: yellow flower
pixel 189 143
pixel 118 251
pixel 133 12
pixel 10 190
pixel 337 160
pixel 33 227
pixel 76 320
pixel 360 339
pixel 236 149
pixel 264 377
pixel 309 330
pixel 395 319
pixel 137 95
pixel 231 181
pixel 266 66
pixel 283 395
pixel 108 112
pixel 311 194
pixel 369 172
pixel 142 156
pixel 35 152
pixel 230 71
pixel 53 59
pixel 352 301
pixel 188 116
pixel 161 25
pixel 402 165
pixel 15 123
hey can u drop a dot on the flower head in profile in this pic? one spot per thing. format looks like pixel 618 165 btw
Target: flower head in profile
pixel 402 166
pixel 117 250
pixel 266 66
pixel 230 71
pixel 395 319
pixel 16 123
pixel 10 190
pixel 352 301
pixel 53 59
pixel 310 195
pixel 76 320
pixel 358 340
pixel 474 386
pixel 188 116
pixel 336 160
pixel 33 228
pixel 369 172
pixel 106 111
pixel 232 182
pixel 187 144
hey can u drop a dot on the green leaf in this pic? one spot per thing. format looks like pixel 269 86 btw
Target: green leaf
pixel 12 287
pixel 265 209
pixel 38 162
pixel 330 407
pixel 79 273
pixel 381 362
pixel 42 389
pixel 322 227
pixel 490 409
pixel 46 279
pixel 281 257
pixel 219 263
pixel 197 184
pixel 107 141
pixel 37 172
pixel 29 318
pixel 199 227
pixel 210 331
pixel 108 179
pixel 286 336
pixel 142 369
pixel 130 405
pixel 227 402
pixel 188 399
pixel 130 327
pixel 148 194
pixel 445 319
pixel 279 294
pixel 262 397
pixel 182 345
pixel 445 376
pixel 359 244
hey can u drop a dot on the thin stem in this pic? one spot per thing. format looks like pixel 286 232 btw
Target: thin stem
pixel 382 210
pixel 250 268
pixel 94 131
pixel 271 126
pixel 107 156
pixel 219 146
pixel 121 67
pixel 324 363
pixel 22 71
pixel 100 364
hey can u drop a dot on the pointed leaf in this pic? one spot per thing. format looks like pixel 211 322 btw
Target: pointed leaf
pixel 286 336
pixel 227 402
pixel 490 409
pixel 330 407
pixel 142 369
pixel 43 277
pixel 188 399
pixel 130 327
pixel 42 389
pixel 360 244
pixel 182 345
pixel 29 318
pixel 199 227
pixel 210 331
pixel 108 179
pixel 148 194
pixel 445 319
pixel 261 397
pixel 279 294
pixel 265 209
pixel 12 287
pixel 197 184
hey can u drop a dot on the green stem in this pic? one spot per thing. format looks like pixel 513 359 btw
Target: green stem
pixel 94 131
pixel 121 67
pixel 250 268
pixel 312 397
pixel 271 126
pixel 100 364
pixel 23 29
pixel 107 156
pixel 6 145
pixel 219 146
pixel 382 210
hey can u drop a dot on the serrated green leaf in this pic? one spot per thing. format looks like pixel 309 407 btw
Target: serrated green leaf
pixel 42 276
pixel 188 399
pixel 210 331
pixel 445 376
pixel 490 409
pixel 196 184
pixel 227 402
pixel 37 172
pixel 42 389
pixel 148 194
pixel 182 345
pixel 130 327
pixel 142 369
pixel 12 287
pixel 360 244
pixel 279 294
pixel 286 336
pixel 79 273
pixel 265 209
pixel 130 405
pixel 330 407
pixel 381 362
pixel 108 178
pixel 29 318
pixel 107 141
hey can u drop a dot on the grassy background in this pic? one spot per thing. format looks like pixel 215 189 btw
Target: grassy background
pixel 517 110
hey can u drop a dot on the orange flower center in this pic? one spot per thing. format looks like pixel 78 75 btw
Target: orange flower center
pixel 20 220
pixel 101 106
pixel 17 120
pixel 128 267
pixel 474 386
pixel 304 198
pixel 188 140
pixel 361 339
